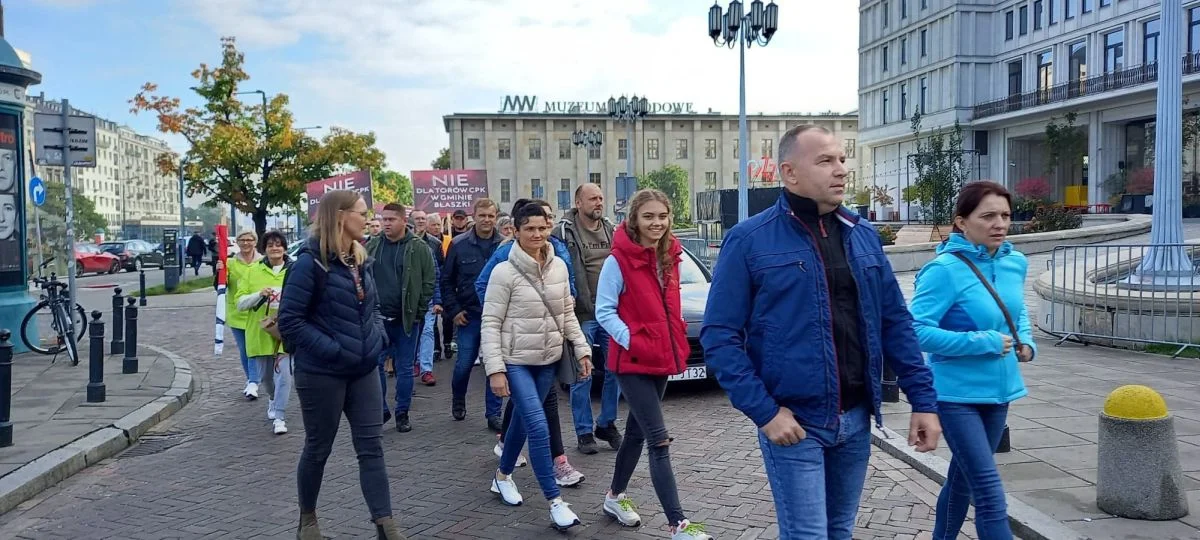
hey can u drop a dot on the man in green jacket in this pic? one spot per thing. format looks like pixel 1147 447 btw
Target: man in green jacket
pixel 404 277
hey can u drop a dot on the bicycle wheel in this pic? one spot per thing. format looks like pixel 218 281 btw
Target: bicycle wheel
pixel 40 329
pixel 71 347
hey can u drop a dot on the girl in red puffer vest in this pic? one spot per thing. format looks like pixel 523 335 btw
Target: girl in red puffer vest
pixel 637 303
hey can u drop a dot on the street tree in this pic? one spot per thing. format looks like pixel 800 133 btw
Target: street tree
pixel 391 186
pixel 443 159
pixel 250 156
pixel 53 215
pixel 207 214
pixel 673 181
pixel 941 170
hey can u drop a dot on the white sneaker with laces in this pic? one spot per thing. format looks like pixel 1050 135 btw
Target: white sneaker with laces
pixel 622 509
pixel 271 409
pixel 252 391
pixel 499 451
pixel 561 516
pixel 507 489
pixel 687 530
pixel 279 426
pixel 564 474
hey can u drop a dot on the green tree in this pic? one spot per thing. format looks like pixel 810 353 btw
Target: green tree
pixel 442 161
pixel 1066 144
pixel 673 181
pixel 250 156
pixel 941 170
pixel 391 186
pixel 208 214
pixel 53 216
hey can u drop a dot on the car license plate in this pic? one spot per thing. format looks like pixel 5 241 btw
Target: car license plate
pixel 691 373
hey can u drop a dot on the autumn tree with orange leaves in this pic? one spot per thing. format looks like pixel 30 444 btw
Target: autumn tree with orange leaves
pixel 237 158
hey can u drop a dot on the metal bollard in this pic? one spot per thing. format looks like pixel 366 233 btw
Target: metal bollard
pixel 1004 445
pixel 891 389
pixel 142 281
pixel 6 355
pixel 118 326
pixel 95 387
pixel 129 364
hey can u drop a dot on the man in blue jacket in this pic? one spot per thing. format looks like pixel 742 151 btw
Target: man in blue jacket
pixel 804 311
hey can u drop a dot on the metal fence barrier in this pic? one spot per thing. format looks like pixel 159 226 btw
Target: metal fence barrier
pixel 705 250
pixel 1096 295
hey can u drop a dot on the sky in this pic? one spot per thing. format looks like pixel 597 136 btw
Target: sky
pixel 395 67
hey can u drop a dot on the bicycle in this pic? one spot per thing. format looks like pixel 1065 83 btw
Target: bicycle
pixel 53 307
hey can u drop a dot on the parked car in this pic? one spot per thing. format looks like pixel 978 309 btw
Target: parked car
pixel 134 254
pixel 90 258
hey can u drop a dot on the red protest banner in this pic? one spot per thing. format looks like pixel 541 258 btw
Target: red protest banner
pixel 359 181
pixel 447 190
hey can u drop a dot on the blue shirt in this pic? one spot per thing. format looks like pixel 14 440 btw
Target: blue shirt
pixel 608 290
pixel 501 255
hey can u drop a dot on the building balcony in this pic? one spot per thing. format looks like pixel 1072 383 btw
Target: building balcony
pixel 1091 86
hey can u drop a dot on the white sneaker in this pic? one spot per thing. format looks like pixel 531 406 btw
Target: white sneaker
pixel 561 516
pixel 252 391
pixel 271 409
pixel 499 451
pixel 689 531
pixel 477 362
pixel 280 426
pixel 622 509
pixel 507 489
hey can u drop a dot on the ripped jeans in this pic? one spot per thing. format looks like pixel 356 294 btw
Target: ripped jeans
pixel 646 428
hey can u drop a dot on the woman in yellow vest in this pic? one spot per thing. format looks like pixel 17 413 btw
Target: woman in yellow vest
pixel 258 297
pixel 246 257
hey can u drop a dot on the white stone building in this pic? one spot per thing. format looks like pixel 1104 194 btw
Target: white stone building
pixel 1003 69
pixel 528 151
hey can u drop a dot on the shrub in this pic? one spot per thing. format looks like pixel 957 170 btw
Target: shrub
pixel 1141 182
pixel 886 235
pixel 1037 188
pixel 1054 217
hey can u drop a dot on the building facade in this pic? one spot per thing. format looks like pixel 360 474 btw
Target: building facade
pixel 529 153
pixel 1008 69
pixel 126 184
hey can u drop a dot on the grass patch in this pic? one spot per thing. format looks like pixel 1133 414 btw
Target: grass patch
pixel 1168 350
pixel 189 286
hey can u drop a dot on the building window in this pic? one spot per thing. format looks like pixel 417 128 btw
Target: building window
pixel 710 149
pixel 924 42
pixel 1014 78
pixel 565 185
pixel 1067 12
pixel 903 101
pixel 535 148
pixel 736 178
pixel 564 149
pixel 903 51
pixel 768 148
pixel 924 94
pixel 903 9
pixel 505 190
pixel 1008 25
pixel 564 194
pixel 1050 13
pixel 1194 30
pixel 651 148
pixel 736 150
pixel 885 107
pixel 1150 41
pixel 594 178
pixel 681 149
pixel 1045 73
pixel 1038 10
pixel 710 180
pixel 924 4
pixel 535 188
pixel 472 148
pixel 1114 51
pixel 1023 14
pixel 1076 67
pixel 593 152
pixel 504 148
pixel 884 9
pixel 1087 5
pixel 885 57
pixel 1105 3
pixel 851 146
pixel 623 149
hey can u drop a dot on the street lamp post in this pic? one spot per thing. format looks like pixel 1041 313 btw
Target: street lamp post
pixel 628 111
pixel 588 139
pixel 758 26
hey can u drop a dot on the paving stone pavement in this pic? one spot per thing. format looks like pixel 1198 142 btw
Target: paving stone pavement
pixel 227 476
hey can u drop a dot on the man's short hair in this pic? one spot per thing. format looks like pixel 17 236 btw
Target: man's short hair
pixel 394 207
pixel 787 143
pixel 579 190
pixel 485 203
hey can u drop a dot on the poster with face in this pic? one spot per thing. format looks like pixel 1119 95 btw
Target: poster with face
pixel 10 203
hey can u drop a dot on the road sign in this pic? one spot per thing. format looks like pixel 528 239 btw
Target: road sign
pixel 37 191
pixel 48 136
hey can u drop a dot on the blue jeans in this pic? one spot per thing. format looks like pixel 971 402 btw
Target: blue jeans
pixel 464 361
pixel 817 483
pixel 248 367
pixel 581 392
pixel 403 350
pixel 529 386
pixel 972 431
pixel 425 349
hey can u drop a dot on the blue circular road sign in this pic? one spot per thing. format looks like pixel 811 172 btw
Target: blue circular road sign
pixel 37 191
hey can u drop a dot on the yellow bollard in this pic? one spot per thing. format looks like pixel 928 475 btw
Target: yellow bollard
pixel 1138 474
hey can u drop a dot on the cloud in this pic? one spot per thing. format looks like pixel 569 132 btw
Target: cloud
pixel 397 67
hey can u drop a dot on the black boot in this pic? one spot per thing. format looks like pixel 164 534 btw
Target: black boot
pixel 458 408
pixel 402 424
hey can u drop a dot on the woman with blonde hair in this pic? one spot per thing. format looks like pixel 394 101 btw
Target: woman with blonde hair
pixel 239 264
pixel 638 304
pixel 329 322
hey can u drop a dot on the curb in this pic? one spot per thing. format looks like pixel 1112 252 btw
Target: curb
pixel 57 465
pixel 1026 521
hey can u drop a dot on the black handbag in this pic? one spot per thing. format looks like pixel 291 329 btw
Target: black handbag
pixel 1012 327
pixel 568 367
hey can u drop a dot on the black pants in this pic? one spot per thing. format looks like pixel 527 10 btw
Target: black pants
pixel 197 260
pixel 643 394
pixel 447 333
pixel 323 400
pixel 551 408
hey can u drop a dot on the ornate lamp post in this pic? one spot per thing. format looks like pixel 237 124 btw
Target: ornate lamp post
pixel 628 111
pixel 588 139
pixel 725 29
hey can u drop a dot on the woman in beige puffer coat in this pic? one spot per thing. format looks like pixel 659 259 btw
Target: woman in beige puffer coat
pixel 528 314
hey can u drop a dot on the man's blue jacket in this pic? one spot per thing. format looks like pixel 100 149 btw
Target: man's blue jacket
pixel 768 330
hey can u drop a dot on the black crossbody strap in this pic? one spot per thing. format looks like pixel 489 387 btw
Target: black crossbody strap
pixel 1012 327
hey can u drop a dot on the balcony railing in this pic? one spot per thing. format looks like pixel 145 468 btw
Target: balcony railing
pixel 1096 84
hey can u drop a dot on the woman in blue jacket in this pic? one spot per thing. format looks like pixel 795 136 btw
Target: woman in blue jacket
pixel 974 341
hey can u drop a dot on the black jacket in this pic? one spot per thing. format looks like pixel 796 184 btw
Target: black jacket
pixel 338 335
pixel 465 259
pixel 196 246
pixel 435 244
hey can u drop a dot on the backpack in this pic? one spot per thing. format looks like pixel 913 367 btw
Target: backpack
pixel 319 275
